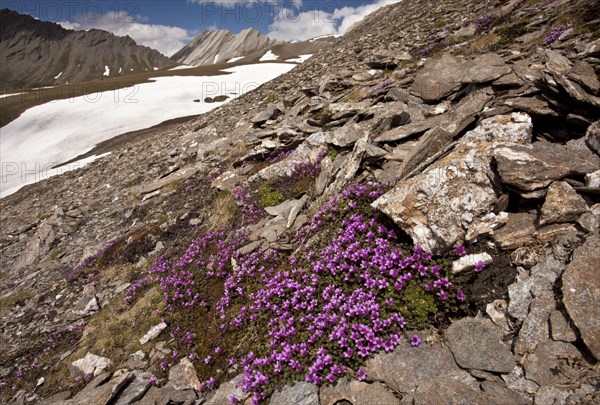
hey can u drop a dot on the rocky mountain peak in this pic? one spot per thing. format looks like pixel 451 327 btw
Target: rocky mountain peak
pixel 211 47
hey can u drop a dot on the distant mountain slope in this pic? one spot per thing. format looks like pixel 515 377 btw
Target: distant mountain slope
pixel 211 47
pixel 38 53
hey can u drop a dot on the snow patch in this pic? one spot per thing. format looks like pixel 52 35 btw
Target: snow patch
pixel 45 174
pixel 120 70
pixel 58 75
pixel 216 58
pixel 9 95
pixel 235 59
pixel 155 68
pixel 60 130
pixel 268 56
pixel 182 67
pixel 106 71
pixel 324 36
pixel 299 59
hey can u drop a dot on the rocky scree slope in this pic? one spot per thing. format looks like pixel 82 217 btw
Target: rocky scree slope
pixel 37 53
pixel 471 130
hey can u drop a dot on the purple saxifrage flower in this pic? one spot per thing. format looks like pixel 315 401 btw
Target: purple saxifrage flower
pixel 415 341
pixel 460 250
pixel 479 266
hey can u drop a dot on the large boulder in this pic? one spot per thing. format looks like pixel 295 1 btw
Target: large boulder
pixel 437 207
pixel 581 293
pixel 441 77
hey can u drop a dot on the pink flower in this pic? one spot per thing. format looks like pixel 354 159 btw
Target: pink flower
pixel 479 266
pixel 415 341
pixel 460 250
pixel 362 374
pixel 460 295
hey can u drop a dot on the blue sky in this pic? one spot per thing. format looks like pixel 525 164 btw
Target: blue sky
pixel 167 25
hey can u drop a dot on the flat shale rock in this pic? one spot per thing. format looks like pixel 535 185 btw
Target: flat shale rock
pixel 406 367
pixel 592 136
pixel 441 77
pixel 535 325
pixel 103 394
pixel 183 376
pixel 561 328
pixel 355 392
pixel 518 231
pixel 448 391
pixel 136 389
pixel 503 395
pixel 301 393
pixel 562 204
pixel 532 167
pixel 543 364
pixel 228 390
pixel 581 293
pixel 476 344
pixel 269 113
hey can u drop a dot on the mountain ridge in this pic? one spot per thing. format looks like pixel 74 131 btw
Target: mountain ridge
pixel 36 53
pixel 210 47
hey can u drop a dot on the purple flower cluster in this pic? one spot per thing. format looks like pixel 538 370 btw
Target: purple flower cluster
pixel 335 306
pixel 135 288
pixel 207 256
pixel 248 205
pixel 336 301
pixel 278 157
pixel 555 34
pixel 384 84
pixel 485 21
pixel 91 261
pixel 438 44
pixel 307 169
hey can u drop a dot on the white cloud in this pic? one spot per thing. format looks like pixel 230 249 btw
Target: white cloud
pixel 166 39
pixel 289 25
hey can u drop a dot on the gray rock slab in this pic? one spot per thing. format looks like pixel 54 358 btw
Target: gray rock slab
pixel 406 367
pixel 357 393
pixel 476 344
pixel 581 292
pixel 301 393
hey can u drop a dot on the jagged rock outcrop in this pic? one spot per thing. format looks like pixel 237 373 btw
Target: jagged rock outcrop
pixel 36 53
